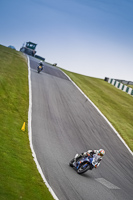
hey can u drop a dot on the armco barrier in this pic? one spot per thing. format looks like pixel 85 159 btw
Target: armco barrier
pixel 120 86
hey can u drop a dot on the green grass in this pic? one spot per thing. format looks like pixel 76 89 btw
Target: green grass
pixel 19 177
pixel 115 104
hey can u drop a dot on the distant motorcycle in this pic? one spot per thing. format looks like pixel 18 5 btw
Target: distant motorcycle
pixel 39 68
pixel 83 164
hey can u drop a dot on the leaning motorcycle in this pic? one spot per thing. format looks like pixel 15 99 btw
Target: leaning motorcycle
pixel 39 68
pixel 83 164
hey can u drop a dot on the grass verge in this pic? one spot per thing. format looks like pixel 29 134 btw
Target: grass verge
pixel 20 178
pixel 115 104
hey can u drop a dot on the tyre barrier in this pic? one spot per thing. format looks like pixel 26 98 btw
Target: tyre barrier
pixel 120 86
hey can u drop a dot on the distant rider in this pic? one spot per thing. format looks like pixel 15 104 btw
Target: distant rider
pixel 92 154
pixel 41 64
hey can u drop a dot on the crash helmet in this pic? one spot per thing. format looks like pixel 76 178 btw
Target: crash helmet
pixel 101 152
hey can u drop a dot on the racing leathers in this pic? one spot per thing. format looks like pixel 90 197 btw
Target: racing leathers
pixel 91 154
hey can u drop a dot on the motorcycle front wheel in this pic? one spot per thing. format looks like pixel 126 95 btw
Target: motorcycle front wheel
pixel 71 163
pixel 38 70
pixel 82 168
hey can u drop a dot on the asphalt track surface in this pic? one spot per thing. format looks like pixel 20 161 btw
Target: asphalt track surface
pixel 64 122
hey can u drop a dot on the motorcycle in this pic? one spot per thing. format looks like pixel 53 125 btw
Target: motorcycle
pixel 83 164
pixel 39 68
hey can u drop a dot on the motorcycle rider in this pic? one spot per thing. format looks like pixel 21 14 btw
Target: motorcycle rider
pixel 41 64
pixel 92 154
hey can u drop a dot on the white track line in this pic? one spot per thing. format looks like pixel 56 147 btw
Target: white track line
pixel 30 134
pixel 101 115
pixel 107 183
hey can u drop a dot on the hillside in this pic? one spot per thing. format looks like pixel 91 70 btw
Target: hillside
pixel 20 178
pixel 115 104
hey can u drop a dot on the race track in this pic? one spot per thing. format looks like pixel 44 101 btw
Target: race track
pixel 64 122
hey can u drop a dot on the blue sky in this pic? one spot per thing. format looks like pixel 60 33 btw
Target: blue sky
pixel 90 37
